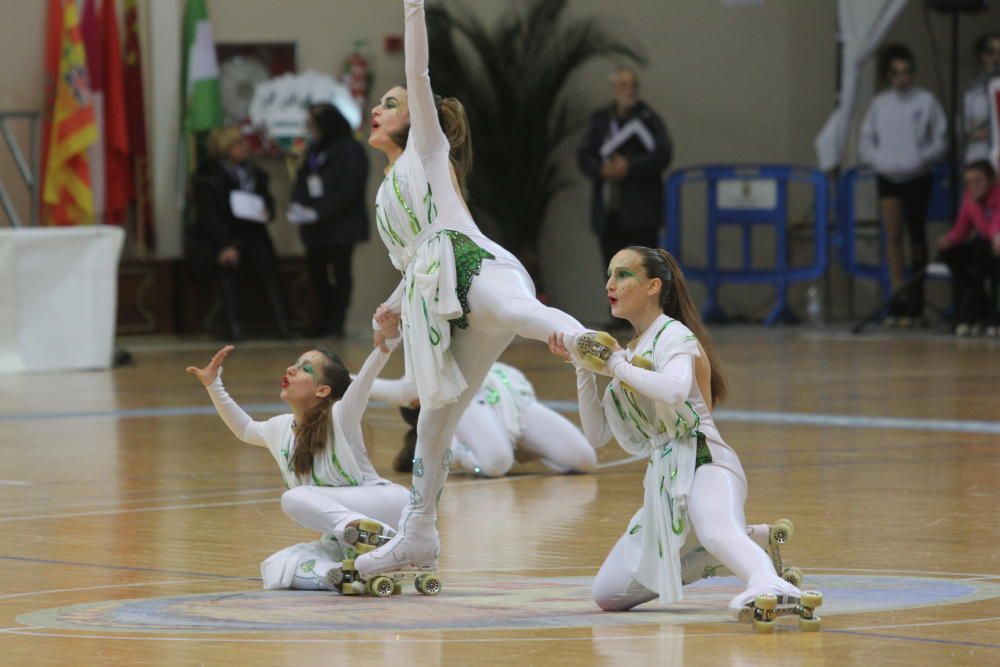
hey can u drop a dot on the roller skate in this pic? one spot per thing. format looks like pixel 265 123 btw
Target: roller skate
pixel 407 555
pixel 770 538
pixel 365 535
pixel 347 581
pixel 762 604
pixel 591 349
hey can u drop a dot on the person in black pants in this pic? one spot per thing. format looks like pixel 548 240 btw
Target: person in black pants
pixel 624 153
pixel 328 204
pixel 232 208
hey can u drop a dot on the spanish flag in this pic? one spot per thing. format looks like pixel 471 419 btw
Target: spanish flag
pixel 66 195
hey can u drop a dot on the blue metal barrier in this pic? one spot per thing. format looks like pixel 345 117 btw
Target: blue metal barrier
pixel 772 211
pixel 938 209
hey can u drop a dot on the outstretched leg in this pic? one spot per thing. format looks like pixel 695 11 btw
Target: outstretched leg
pixel 559 443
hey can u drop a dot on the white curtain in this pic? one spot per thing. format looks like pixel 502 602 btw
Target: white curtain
pixel 863 25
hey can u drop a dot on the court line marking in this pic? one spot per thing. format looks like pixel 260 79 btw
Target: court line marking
pixel 153 499
pixel 14 482
pixel 95 588
pixel 723 414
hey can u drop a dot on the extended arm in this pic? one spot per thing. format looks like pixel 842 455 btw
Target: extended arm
pixel 400 391
pixel 352 406
pixel 670 385
pixel 595 425
pixel 238 421
pixel 425 130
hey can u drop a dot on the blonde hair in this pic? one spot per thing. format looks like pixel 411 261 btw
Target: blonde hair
pixel 455 125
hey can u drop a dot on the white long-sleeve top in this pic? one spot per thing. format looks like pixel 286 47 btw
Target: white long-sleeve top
pixel 344 461
pixel 656 413
pixel 976 116
pixel 416 205
pixel 903 134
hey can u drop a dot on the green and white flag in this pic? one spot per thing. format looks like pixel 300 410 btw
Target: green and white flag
pixel 201 105
pixel 202 99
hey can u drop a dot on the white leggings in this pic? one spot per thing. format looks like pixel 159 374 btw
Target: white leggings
pixel 328 509
pixel 715 509
pixel 502 304
pixel 547 434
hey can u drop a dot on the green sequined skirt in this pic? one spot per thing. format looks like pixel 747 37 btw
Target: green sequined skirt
pixel 468 263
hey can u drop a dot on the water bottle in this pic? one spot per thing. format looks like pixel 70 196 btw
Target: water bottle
pixel 814 307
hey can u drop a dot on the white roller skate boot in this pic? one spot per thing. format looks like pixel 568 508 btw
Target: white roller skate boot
pixel 414 547
pixel 365 535
pixel 767 597
pixel 771 538
pixel 590 349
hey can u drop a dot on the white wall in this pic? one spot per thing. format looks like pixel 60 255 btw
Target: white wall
pixel 733 84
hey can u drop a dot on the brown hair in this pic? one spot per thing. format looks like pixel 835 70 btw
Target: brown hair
pixel 313 433
pixel 455 124
pixel 675 302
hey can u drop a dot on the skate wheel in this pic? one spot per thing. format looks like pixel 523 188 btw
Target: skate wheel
pixel 763 627
pixel 347 564
pixel 766 601
pixel 782 531
pixel 428 584
pixel 351 534
pixel 594 349
pixel 335 576
pixel 745 615
pixel 809 624
pixel 811 599
pixel 363 548
pixel 792 575
pixel 373 528
pixel 349 589
pixel 381 587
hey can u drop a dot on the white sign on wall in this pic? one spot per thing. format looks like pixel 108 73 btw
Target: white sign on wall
pixel 755 194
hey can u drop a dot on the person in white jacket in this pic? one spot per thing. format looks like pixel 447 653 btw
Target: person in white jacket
pixel 659 404
pixel 976 102
pixel 903 134
pixel 319 448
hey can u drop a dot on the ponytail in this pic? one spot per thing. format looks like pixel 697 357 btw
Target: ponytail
pixel 313 433
pixel 675 302
pixel 455 125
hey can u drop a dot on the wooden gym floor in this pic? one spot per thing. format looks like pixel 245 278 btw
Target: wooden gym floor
pixel 132 523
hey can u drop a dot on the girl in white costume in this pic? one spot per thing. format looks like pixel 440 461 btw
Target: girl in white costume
pixel 503 417
pixel 332 486
pixel 693 479
pixel 462 297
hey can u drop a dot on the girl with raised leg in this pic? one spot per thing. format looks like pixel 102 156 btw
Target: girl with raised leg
pixel 658 404
pixel 462 297
pixel 332 486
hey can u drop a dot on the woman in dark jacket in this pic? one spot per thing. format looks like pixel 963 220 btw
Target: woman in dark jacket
pixel 328 204
pixel 232 208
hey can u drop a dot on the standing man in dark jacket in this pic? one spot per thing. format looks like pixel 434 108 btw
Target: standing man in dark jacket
pixel 233 205
pixel 625 152
pixel 329 205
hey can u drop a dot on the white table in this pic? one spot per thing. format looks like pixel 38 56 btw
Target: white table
pixel 58 297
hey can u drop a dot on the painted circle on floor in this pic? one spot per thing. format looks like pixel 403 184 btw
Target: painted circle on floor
pixel 500 603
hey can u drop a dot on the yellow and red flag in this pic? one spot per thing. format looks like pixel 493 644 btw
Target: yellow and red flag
pixel 67 197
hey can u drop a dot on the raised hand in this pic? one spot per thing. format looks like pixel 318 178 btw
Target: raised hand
pixel 209 373
pixel 387 321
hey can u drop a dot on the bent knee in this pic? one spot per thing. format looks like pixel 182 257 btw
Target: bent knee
pixel 496 465
pixel 294 500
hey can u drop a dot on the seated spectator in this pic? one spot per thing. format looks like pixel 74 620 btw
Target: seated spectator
pixel 232 206
pixel 972 251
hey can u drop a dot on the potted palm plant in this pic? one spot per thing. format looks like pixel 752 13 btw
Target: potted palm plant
pixel 512 78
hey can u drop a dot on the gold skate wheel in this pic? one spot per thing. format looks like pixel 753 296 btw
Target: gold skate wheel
pixel 792 575
pixel 594 349
pixel 745 615
pixel 766 601
pixel 347 564
pixel 811 599
pixel 373 528
pixel 349 589
pixel 763 627
pixel 381 587
pixel 782 531
pixel 363 548
pixel 809 624
pixel 428 584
